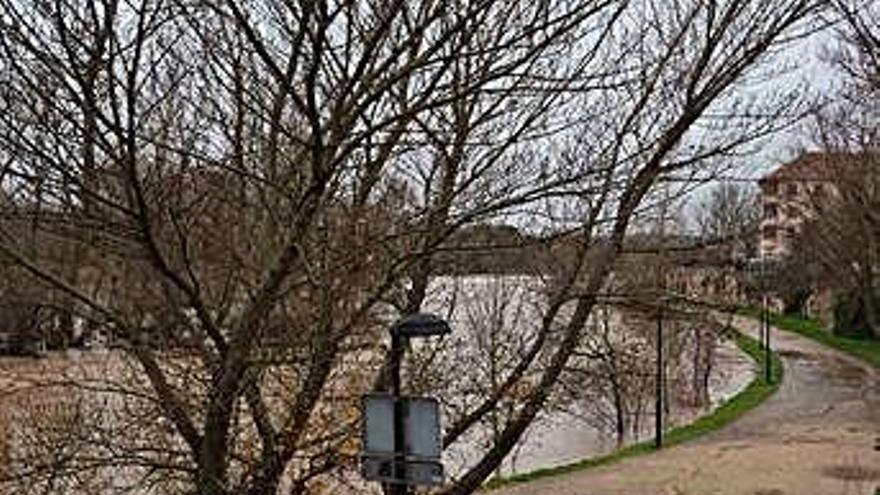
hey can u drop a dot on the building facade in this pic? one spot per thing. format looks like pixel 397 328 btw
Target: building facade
pixel 789 197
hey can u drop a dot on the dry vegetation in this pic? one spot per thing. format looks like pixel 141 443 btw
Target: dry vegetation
pixel 241 196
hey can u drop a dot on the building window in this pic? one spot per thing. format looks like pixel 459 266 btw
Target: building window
pixel 770 211
pixel 791 189
pixel 769 232
pixel 768 188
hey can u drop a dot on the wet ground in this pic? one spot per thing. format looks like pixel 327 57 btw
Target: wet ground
pixel 818 435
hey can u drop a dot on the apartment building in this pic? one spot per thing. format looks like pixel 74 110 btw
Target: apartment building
pixel 789 196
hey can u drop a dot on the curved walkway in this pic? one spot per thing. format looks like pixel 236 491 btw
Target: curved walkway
pixel 818 435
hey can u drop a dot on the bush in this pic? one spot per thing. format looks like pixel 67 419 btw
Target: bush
pixel 851 317
pixel 795 302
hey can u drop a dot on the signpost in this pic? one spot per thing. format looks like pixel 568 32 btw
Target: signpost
pixel 422 448
pixel 402 444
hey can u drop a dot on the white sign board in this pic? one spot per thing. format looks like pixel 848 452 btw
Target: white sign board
pixel 422 440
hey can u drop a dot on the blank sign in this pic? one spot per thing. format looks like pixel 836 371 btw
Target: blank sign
pixel 421 425
pixel 420 462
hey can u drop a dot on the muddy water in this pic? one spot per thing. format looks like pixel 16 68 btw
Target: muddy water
pixel 563 438
pixel 558 439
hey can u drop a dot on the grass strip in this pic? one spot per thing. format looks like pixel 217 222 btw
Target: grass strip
pixel 756 392
pixel 866 349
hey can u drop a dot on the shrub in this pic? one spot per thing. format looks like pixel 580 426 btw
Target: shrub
pixel 851 316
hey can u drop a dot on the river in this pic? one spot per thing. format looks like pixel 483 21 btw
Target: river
pixel 478 307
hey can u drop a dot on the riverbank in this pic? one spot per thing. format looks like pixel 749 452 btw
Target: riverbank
pixel 865 349
pixel 755 393
pixel 814 436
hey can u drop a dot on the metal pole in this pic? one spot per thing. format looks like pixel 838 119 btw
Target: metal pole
pixel 658 399
pixel 765 318
pixel 765 323
pixel 658 404
pixel 768 376
pixel 397 349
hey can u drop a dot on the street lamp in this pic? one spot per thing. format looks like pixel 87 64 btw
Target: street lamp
pixel 763 271
pixel 765 320
pixel 659 380
pixel 415 325
pixel 768 269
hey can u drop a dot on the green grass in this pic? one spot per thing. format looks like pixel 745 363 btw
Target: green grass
pixel 747 399
pixel 866 349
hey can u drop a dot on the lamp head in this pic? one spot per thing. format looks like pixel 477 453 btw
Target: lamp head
pixel 420 325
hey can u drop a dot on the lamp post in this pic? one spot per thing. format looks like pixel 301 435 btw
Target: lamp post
pixel 765 333
pixel 660 377
pixel 765 268
pixel 415 325
pixel 768 269
pixel 658 382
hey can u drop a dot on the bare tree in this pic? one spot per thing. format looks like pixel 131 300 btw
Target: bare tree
pixel 857 55
pixel 729 217
pixel 260 183
pixel 644 307
pixel 842 237
pixel 610 380
pixel 843 233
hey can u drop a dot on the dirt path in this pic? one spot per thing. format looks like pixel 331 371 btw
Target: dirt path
pixel 817 435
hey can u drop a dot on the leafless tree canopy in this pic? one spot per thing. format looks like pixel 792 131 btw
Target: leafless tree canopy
pixel 729 217
pixel 242 194
pixel 858 54
pixel 843 233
